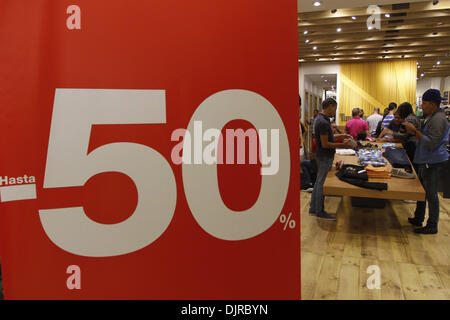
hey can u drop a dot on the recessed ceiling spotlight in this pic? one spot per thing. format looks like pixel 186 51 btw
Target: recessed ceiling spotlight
pixel 307 40
pixel 387 15
pixel 354 18
pixel 317 3
pixel 418 67
pixel 417 62
pixel 315 48
pixel 438 62
pixel 422 74
pixel 339 29
pixel 305 32
pixel 370 27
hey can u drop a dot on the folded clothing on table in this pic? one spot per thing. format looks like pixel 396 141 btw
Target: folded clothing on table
pixel 345 152
pixel 389 145
pixel 357 176
pixel 380 173
pixel 371 157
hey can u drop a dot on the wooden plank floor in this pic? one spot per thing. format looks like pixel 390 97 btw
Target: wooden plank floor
pixel 336 255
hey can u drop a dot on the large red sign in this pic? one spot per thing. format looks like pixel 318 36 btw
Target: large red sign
pixel 149 149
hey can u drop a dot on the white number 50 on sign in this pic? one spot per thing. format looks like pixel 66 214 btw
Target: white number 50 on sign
pixel 69 164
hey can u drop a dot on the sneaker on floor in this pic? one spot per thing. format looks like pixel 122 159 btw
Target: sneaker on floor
pixel 398 173
pixel 426 230
pixel 415 222
pixel 325 216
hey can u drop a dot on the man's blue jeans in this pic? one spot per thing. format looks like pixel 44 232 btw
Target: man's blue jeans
pixel 429 177
pixel 324 165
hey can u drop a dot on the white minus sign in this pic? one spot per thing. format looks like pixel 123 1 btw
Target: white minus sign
pixel 19 192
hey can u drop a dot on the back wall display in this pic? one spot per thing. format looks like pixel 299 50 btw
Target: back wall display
pixel 145 152
pixel 376 84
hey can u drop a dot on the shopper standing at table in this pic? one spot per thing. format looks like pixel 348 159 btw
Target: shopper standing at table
pixel 356 125
pixel 430 156
pixel 409 141
pixel 326 148
pixel 373 121
pixel 387 120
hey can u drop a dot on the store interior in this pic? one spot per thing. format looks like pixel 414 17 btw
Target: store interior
pixel 366 57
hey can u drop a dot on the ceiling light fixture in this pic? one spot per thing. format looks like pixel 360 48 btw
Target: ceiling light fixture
pixel 339 29
pixel 317 3
pixel 307 41
pixel 354 18
pixel 305 32
pixel 314 48
pixel 387 15
pixel 438 62
pixel 422 74
pixel 370 27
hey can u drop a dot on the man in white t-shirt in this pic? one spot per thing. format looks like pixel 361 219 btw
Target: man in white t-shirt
pixel 373 121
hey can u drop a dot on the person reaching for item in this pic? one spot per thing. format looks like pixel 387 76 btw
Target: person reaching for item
pixel 326 149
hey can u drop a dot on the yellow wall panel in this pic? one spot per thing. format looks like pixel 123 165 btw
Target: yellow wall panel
pixel 376 84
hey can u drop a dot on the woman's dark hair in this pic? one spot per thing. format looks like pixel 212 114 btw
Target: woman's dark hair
pixel 386 112
pixel 392 106
pixel 361 136
pixel 405 109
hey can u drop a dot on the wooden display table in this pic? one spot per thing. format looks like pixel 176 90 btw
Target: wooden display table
pixel 398 188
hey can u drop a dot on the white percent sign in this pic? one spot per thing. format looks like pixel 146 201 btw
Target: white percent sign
pixel 287 221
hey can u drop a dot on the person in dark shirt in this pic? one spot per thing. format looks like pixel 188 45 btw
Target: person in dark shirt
pixel 408 141
pixel 387 135
pixel 326 148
